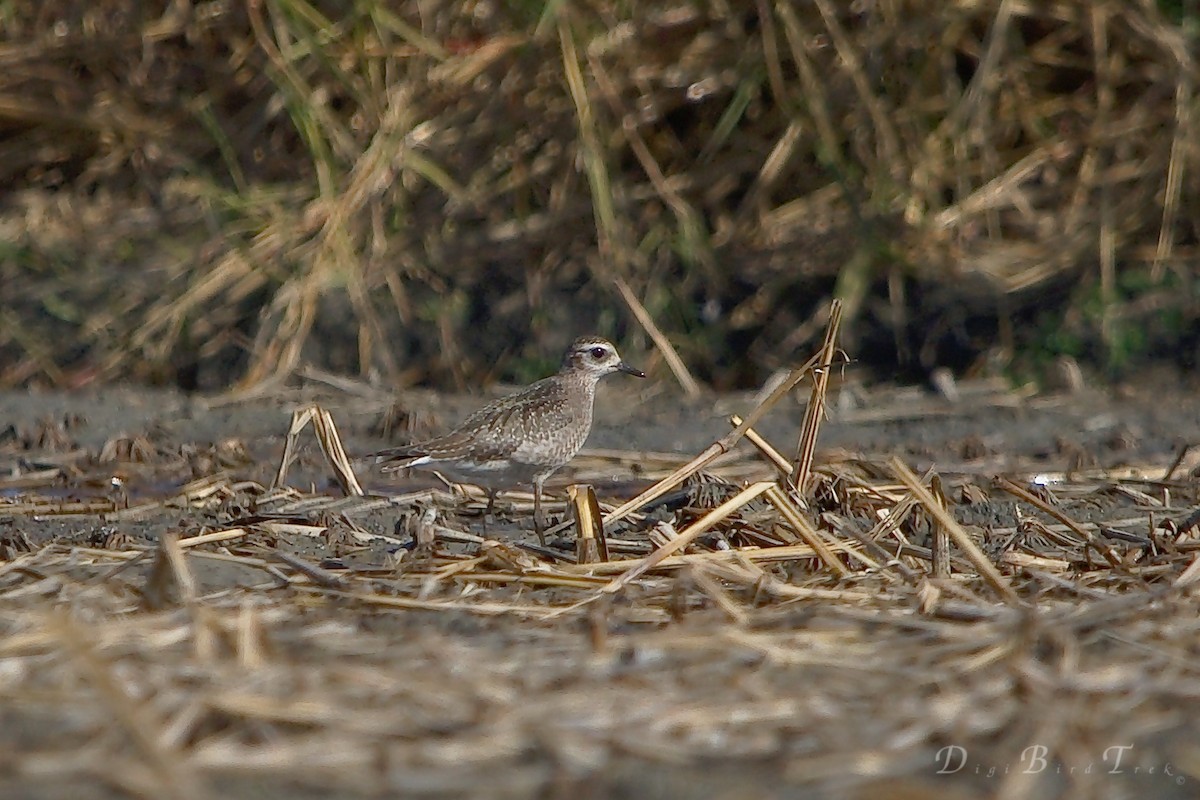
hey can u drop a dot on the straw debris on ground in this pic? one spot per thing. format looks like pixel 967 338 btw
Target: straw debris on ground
pixel 234 635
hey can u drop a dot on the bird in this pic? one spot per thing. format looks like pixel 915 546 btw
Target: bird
pixel 523 437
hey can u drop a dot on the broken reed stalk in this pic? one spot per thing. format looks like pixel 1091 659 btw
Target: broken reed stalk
pixel 1179 456
pixel 709 585
pixel 688 535
pixel 300 420
pixel 214 536
pixel 1190 575
pixel 590 544
pixel 815 412
pixel 987 570
pixel 764 555
pixel 782 501
pixel 678 368
pixel 717 448
pixel 249 638
pixel 171 582
pixel 894 516
pixel 331 446
pixel 335 453
pixel 322 577
pixel 169 542
pixel 886 559
pixel 764 447
pixel 810 535
pixel 940 540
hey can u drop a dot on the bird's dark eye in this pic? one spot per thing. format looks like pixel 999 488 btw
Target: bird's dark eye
pixel 598 352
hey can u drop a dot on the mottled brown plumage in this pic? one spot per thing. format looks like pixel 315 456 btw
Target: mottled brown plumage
pixel 523 437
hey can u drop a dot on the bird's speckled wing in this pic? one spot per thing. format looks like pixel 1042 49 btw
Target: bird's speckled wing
pixel 508 427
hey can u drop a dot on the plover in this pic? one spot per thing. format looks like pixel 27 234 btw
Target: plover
pixel 522 437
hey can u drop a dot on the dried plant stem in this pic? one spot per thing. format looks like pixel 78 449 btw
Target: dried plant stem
pixel 590 544
pixel 986 569
pixel 941 540
pixel 678 368
pixel 712 587
pixel 764 447
pixel 689 535
pixel 227 535
pixel 815 412
pixel 810 535
pixel 717 448
pixel 331 446
pixel 1175 171
pixel 764 555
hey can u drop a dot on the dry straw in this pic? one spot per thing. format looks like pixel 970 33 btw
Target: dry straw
pixel 252 652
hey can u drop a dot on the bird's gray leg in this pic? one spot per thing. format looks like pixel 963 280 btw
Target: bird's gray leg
pixel 538 522
pixel 491 506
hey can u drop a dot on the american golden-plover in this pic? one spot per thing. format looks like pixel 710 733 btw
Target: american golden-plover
pixel 522 437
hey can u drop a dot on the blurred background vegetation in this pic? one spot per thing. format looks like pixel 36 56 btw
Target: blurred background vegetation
pixel 209 194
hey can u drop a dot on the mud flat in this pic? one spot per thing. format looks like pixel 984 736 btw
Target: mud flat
pixel 171 625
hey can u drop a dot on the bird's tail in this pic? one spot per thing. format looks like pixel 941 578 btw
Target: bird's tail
pixel 398 458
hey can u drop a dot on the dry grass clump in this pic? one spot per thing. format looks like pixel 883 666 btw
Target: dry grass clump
pixel 203 190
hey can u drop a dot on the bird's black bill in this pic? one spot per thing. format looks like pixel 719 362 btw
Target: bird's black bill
pixel 628 370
